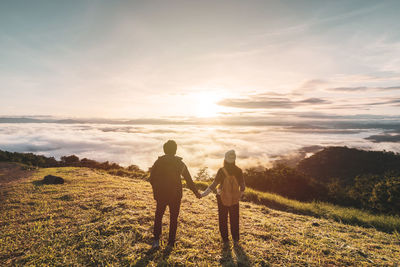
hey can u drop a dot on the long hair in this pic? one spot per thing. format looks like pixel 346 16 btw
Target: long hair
pixel 229 166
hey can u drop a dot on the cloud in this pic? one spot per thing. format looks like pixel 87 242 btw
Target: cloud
pixel 199 145
pixel 137 130
pixel 313 100
pixel 30 148
pixel 291 121
pixel 381 138
pixel 387 101
pixel 329 116
pixel 270 102
pixel 141 144
pixel 310 85
pixel 49 119
pixel 293 158
pixel 364 88
pixel 350 89
pixel 321 130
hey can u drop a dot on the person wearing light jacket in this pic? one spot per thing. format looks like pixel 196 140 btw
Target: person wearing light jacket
pixel 230 169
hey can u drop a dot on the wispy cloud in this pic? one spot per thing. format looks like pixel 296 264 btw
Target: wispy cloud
pixel 309 86
pixel 386 101
pixel 364 88
pixel 384 138
pixel 271 103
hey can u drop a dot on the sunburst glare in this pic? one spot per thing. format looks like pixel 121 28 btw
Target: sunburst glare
pixel 206 104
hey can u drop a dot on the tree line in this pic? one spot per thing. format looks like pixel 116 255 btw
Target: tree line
pixel 339 175
pixel 41 161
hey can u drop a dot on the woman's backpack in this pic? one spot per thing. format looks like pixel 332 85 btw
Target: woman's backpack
pixel 230 193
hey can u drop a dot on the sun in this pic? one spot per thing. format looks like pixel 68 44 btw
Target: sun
pixel 207 104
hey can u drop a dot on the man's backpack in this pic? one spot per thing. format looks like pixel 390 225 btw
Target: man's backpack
pixel 230 193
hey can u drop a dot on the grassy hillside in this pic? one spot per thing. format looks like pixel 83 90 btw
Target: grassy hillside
pixel 99 219
pixel 347 215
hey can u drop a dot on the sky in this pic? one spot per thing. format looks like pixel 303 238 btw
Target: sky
pixel 274 80
pixel 201 59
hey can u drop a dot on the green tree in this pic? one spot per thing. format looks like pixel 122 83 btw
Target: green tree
pixel 203 174
pixel 386 195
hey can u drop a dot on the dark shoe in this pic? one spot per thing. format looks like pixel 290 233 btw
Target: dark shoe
pixel 167 251
pixel 225 244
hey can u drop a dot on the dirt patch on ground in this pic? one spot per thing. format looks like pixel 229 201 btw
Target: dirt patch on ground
pixel 11 172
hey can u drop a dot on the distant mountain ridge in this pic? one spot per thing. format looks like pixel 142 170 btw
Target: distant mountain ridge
pixel 346 163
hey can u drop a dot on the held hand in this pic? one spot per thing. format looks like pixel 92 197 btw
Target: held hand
pixel 198 195
pixel 206 192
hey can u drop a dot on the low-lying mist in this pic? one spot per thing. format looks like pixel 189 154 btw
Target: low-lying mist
pixel 199 145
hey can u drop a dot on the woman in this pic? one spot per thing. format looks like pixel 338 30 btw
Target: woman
pixel 230 180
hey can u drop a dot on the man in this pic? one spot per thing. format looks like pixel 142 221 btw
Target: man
pixel 165 178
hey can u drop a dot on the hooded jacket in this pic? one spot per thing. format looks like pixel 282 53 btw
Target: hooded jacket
pixel 165 178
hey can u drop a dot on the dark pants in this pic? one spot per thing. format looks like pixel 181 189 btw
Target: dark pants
pixel 223 212
pixel 174 207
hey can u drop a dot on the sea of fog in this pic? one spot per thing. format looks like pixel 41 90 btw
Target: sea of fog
pixel 198 145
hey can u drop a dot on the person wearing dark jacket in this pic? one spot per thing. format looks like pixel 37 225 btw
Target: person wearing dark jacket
pixel 232 170
pixel 165 179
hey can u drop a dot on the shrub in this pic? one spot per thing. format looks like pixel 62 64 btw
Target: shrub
pixel 386 195
pixel 203 175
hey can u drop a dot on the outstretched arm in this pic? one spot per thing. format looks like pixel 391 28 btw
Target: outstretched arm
pixel 189 181
pixel 213 185
pixel 209 189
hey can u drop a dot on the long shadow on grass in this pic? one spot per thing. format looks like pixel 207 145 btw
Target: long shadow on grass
pixel 148 256
pixel 153 254
pixel 241 256
pixel 226 256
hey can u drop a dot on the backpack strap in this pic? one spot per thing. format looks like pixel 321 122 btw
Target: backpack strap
pixel 183 169
pixel 227 175
pixel 225 172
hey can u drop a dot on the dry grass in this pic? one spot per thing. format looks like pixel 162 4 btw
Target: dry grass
pixel 347 215
pixel 99 219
